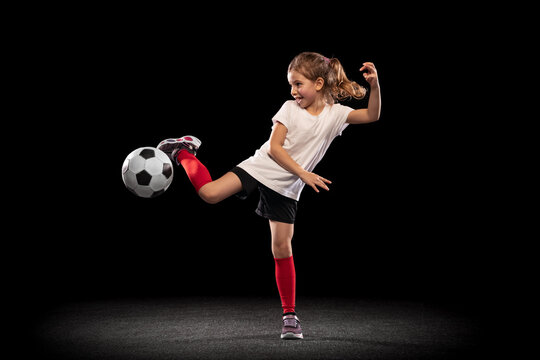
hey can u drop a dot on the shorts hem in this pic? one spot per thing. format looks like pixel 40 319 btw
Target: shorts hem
pixel 249 183
pixel 273 218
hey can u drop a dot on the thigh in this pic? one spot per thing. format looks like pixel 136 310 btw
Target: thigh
pixel 220 189
pixel 281 232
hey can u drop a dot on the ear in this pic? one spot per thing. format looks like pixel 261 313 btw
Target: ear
pixel 319 83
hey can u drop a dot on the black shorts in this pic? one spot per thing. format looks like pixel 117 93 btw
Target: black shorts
pixel 272 205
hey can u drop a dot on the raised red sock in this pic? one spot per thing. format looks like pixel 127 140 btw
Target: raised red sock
pixel 197 173
pixel 286 283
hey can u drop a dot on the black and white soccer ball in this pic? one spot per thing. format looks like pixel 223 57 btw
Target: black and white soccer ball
pixel 147 172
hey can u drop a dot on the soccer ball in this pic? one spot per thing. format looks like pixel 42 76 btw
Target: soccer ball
pixel 147 172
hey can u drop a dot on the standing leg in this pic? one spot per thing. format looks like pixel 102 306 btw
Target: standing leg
pixel 282 234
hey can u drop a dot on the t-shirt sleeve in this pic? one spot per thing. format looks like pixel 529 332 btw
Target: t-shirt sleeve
pixel 284 115
pixel 342 112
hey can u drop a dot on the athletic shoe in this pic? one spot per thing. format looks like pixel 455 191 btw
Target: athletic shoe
pixel 291 328
pixel 171 147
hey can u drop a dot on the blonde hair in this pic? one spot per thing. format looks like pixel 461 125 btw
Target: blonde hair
pixel 336 86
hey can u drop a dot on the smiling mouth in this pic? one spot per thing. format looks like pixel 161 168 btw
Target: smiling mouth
pixel 298 99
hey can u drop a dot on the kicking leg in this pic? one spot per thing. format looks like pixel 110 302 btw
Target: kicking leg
pixel 220 189
pixel 183 151
pixel 210 191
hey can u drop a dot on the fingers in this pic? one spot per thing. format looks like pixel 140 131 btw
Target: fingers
pixel 368 77
pixel 370 73
pixel 316 181
pixel 369 66
pixel 321 182
pixel 325 180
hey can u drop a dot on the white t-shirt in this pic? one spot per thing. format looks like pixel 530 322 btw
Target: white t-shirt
pixel 308 138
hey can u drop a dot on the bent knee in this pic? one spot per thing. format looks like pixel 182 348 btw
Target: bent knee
pixel 209 195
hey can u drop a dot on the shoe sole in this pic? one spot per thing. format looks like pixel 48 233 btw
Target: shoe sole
pixel 291 336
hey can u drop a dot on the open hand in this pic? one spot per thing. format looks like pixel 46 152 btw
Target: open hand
pixel 315 180
pixel 371 73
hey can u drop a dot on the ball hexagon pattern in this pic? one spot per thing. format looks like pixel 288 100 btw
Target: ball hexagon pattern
pixel 147 172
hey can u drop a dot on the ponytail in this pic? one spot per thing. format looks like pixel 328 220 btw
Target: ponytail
pixel 341 88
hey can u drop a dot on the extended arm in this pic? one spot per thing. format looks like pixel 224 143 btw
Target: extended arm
pixel 280 155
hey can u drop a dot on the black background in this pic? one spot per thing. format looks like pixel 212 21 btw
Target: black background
pixel 401 220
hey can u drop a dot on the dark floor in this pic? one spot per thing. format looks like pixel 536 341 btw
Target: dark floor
pixel 249 328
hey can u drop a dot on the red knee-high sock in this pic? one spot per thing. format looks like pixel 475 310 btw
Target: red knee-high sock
pixel 197 173
pixel 286 283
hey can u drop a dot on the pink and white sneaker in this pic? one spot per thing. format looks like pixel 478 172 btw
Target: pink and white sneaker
pixel 171 147
pixel 291 328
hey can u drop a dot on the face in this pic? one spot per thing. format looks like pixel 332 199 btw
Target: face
pixel 304 91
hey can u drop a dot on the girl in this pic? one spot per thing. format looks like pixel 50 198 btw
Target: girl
pixel 302 132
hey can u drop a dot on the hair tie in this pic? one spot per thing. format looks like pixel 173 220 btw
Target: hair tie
pixel 326 60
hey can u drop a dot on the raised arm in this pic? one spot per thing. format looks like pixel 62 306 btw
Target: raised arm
pixel 373 111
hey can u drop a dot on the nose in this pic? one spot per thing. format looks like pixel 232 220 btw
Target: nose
pixel 293 91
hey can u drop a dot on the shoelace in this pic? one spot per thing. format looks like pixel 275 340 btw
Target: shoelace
pixel 292 322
